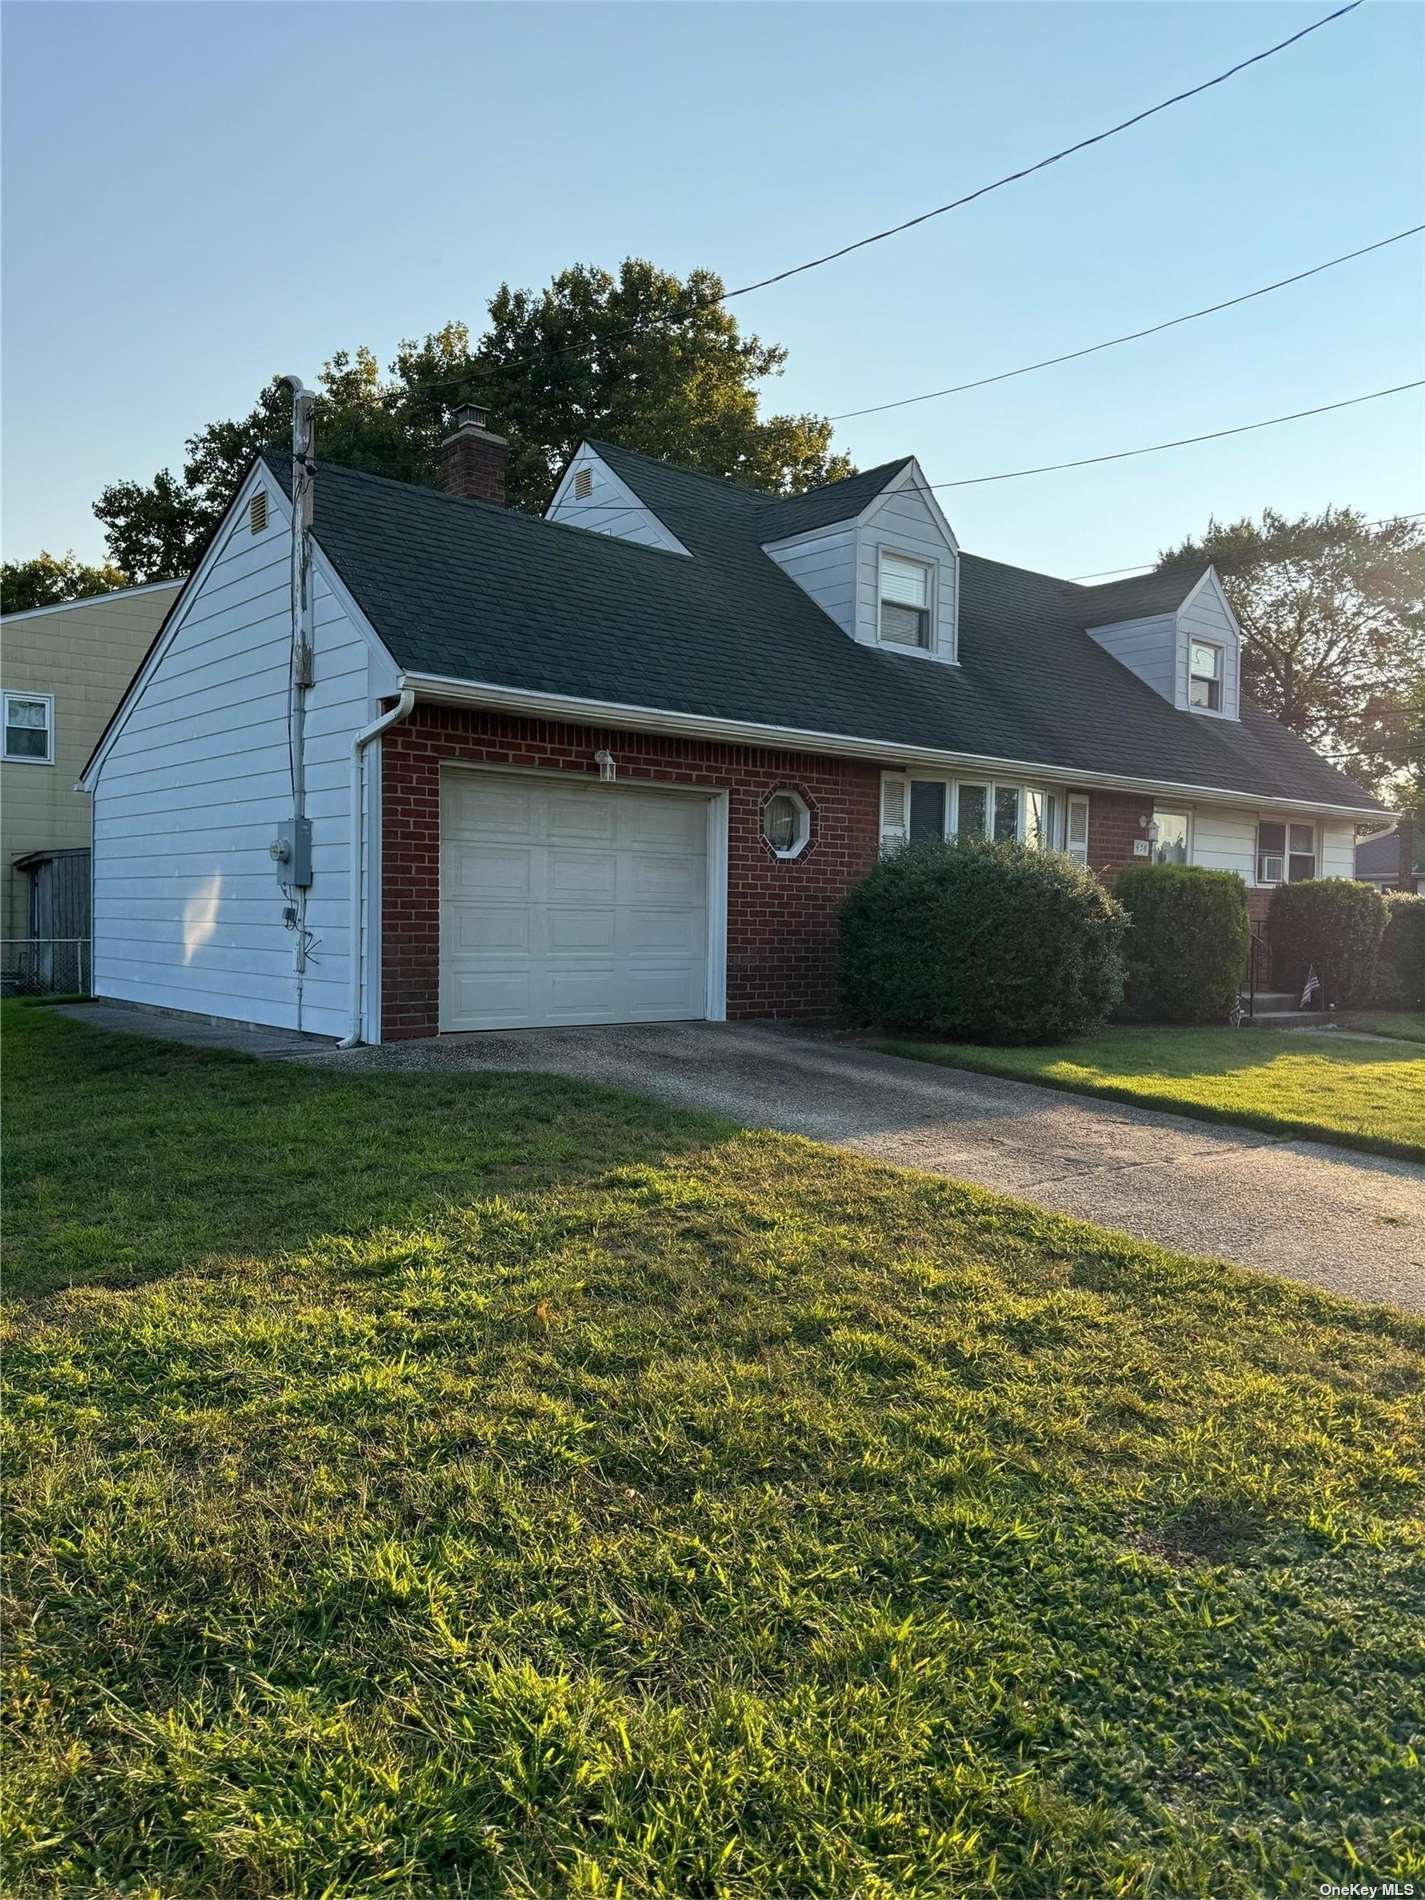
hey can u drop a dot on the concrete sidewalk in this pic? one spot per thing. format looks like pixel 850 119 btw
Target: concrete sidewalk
pixel 1349 1222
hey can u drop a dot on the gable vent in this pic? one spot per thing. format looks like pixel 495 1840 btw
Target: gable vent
pixel 583 483
pixel 257 512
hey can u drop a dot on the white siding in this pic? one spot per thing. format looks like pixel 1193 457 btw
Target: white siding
pixel 905 523
pixel 1146 647
pixel 824 566
pixel 187 909
pixel 1204 616
pixel 1225 839
pixel 1337 848
pixel 611 507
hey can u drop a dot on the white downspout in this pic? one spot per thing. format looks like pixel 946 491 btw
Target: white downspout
pixel 358 850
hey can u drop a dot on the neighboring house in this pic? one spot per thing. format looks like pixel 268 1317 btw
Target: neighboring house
pixel 1378 861
pixel 62 671
pixel 636 753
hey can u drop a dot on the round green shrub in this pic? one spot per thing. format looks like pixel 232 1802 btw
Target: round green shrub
pixel 1186 950
pixel 1333 924
pixel 1400 982
pixel 981 942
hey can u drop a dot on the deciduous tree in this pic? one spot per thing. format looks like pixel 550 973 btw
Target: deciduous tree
pixel 650 360
pixel 49 579
pixel 1332 609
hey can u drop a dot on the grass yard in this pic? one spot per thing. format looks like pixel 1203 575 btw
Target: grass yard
pixel 1407 1024
pixel 1361 1094
pixel 460 1485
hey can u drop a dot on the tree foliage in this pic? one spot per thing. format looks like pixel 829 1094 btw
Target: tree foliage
pixel 650 360
pixel 1332 609
pixel 49 579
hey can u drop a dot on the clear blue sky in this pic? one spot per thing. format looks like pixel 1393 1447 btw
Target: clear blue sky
pixel 197 196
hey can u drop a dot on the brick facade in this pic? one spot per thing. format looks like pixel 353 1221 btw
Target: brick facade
pixel 1116 819
pixel 781 913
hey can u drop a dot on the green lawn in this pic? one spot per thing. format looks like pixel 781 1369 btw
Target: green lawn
pixel 469 1486
pixel 1362 1094
pixel 1408 1024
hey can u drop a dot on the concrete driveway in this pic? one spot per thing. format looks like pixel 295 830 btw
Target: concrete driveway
pixel 1350 1222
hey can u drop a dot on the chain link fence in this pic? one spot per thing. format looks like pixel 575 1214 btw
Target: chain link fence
pixel 45 966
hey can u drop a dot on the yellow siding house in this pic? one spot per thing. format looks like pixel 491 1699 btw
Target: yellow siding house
pixel 62 672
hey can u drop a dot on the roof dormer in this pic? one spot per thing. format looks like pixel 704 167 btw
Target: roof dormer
pixel 1175 630
pixel 876 553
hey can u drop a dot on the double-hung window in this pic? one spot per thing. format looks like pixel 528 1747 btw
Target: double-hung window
pixel 1286 853
pixel 29 728
pixel 1205 676
pixel 906 589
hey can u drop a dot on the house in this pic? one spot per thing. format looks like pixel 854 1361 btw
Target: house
pixel 1378 861
pixel 622 763
pixel 62 672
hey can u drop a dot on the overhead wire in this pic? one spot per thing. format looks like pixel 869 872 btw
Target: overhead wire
pixel 1131 336
pixel 472 377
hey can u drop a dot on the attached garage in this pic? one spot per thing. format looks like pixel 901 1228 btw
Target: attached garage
pixel 566 902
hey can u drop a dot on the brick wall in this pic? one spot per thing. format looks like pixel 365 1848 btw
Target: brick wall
pixel 1114 823
pixel 781 922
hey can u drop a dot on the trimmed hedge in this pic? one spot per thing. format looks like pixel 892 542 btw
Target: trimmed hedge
pixel 981 942
pixel 1401 978
pixel 1333 923
pixel 1187 941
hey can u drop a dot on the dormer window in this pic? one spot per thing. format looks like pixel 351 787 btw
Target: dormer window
pixel 1205 676
pixel 906 588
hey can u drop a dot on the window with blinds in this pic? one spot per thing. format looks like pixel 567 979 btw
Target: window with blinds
pixel 905 601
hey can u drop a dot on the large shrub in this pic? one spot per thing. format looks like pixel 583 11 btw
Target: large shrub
pixel 1400 982
pixel 1330 923
pixel 980 941
pixel 1186 949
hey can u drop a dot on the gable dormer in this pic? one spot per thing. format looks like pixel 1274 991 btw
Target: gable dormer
pixel 591 495
pixel 1177 632
pixel 877 555
pixel 1207 654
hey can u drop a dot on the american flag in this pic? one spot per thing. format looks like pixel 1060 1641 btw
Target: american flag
pixel 1313 988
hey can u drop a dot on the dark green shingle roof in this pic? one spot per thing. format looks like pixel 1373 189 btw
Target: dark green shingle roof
pixel 467 591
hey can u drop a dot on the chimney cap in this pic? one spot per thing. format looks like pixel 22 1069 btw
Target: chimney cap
pixel 470 415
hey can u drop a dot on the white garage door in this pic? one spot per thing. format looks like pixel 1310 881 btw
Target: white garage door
pixel 570 903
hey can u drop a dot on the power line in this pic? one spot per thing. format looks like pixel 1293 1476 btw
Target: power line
pixel 1132 336
pixel 1181 442
pixel 1143 567
pixel 1011 178
pixel 1088 461
pixel 894 230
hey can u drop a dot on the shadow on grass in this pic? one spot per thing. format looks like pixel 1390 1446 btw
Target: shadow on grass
pixel 128 1159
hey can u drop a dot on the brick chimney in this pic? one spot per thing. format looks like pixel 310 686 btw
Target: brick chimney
pixel 472 460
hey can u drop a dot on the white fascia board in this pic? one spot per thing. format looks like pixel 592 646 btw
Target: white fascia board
pixel 909 477
pixel 346 600
pixel 1212 579
pixel 582 456
pixel 435 689
pixel 257 477
pixel 88 600
pixel 913 476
